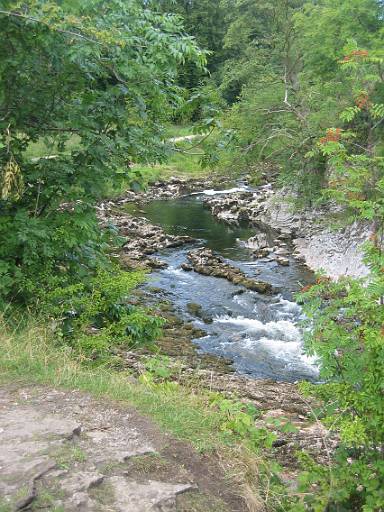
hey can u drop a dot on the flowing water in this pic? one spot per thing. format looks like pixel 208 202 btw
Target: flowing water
pixel 260 333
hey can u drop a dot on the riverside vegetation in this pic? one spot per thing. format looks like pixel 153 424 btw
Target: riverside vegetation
pixel 289 92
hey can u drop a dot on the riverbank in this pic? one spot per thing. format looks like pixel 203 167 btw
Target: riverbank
pixel 75 437
pixel 89 436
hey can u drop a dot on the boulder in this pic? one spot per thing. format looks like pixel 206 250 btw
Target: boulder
pixel 206 262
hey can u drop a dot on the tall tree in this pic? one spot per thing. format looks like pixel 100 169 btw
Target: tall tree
pixel 207 22
pixel 285 80
pixel 94 82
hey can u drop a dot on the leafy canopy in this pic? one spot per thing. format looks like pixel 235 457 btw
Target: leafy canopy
pixel 95 82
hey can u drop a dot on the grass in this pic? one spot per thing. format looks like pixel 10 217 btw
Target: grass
pixel 179 130
pixel 178 164
pixel 147 464
pixel 198 502
pixel 184 163
pixel 42 148
pixel 67 455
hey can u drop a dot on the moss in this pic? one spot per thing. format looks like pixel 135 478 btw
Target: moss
pixel 199 502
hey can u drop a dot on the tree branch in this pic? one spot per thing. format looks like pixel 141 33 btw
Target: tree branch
pixel 36 20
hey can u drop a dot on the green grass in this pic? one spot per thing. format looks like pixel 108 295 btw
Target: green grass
pixel 197 502
pixel 179 130
pixel 179 165
pixel 42 148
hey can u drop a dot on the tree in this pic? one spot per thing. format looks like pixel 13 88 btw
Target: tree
pixel 205 20
pixel 285 83
pixel 95 83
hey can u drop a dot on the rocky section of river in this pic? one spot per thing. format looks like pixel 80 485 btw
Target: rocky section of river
pixel 206 262
pixel 240 206
pixel 143 238
pixel 176 341
pixel 337 251
pixel 277 400
pixel 165 189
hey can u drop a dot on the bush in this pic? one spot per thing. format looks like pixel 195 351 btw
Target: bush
pixel 346 321
pixel 96 315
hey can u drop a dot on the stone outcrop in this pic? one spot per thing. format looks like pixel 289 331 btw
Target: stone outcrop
pixel 336 251
pixel 63 450
pixel 143 238
pixel 205 262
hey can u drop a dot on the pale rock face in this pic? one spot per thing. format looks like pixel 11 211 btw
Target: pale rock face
pixel 336 252
pixel 257 242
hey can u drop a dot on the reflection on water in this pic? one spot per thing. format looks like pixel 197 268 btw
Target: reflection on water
pixel 260 333
pixel 188 217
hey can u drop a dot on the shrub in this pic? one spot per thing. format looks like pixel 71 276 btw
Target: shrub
pixel 96 315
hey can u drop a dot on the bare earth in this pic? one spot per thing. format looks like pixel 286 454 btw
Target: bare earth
pixel 65 451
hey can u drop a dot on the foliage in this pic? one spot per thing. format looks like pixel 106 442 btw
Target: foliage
pixel 285 86
pixel 207 21
pixel 103 72
pixel 95 316
pixel 346 319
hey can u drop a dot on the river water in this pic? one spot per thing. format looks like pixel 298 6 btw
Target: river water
pixel 260 333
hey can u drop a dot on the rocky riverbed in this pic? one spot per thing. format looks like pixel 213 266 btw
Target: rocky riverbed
pixel 165 189
pixel 276 400
pixel 143 238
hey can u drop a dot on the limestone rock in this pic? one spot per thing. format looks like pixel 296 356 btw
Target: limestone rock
pixel 150 496
pixel 205 262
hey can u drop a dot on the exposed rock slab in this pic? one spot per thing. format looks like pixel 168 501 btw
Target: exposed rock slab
pixel 205 262
pixel 27 438
pixel 339 253
pixel 65 450
pixel 151 496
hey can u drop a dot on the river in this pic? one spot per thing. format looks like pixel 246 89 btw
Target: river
pixel 260 333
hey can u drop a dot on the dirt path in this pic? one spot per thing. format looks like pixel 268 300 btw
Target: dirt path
pixel 183 138
pixel 65 451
